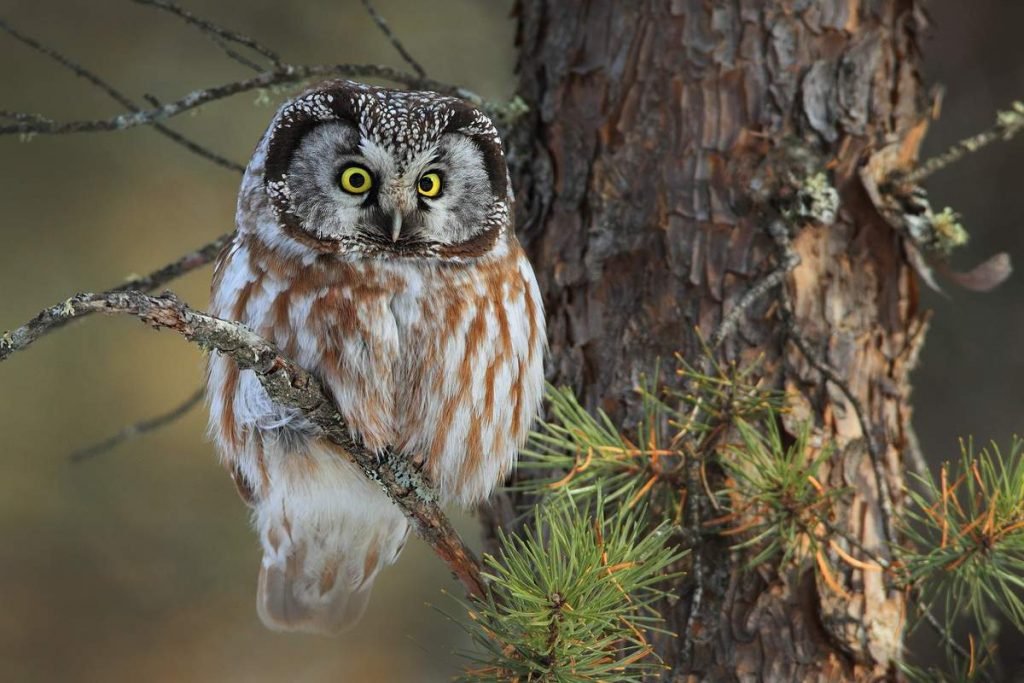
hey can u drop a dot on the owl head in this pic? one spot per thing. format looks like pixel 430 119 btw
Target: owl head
pixel 348 168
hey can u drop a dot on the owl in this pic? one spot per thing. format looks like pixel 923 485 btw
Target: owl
pixel 375 247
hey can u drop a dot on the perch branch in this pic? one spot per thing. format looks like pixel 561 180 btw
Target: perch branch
pixel 289 385
pixel 382 24
pixel 56 316
pixel 139 428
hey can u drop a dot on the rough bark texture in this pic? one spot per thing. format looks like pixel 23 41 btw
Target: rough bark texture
pixel 659 133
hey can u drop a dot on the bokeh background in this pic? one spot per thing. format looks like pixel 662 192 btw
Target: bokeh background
pixel 140 565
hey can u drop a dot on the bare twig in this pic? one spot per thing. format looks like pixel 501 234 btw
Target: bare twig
pixel 1008 124
pixel 789 260
pixel 218 33
pixel 284 75
pixel 24 116
pixel 289 385
pixel 956 647
pixel 56 317
pixel 194 259
pixel 138 429
pixel 114 94
pixel 237 56
pixel 382 24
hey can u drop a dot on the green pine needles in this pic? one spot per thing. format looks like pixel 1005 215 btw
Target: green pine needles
pixel 572 597
pixel 775 493
pixel 580 454
pixel 966 533
pixel 574 593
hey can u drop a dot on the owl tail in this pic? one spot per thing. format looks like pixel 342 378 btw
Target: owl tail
pixel 326 532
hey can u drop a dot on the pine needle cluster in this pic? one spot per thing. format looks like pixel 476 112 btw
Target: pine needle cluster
pixel 777 500
pixel 580 453
pixel 573 594
pixel 966 533
pixel 572 597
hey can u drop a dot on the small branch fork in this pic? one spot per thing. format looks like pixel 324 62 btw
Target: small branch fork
pixel 288 385
pixel 115 94
pixel 222 36
pixel 382 24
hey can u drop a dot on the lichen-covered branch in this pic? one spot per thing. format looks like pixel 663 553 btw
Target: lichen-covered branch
pixel 1008 124
pixel 55 317
pixel 289 385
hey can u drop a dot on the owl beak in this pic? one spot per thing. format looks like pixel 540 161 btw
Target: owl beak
pixel 396 226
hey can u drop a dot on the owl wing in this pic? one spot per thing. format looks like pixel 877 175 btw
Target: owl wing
pixel 326 531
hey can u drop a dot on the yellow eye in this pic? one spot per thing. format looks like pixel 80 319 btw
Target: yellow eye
pixel 429 184
pixel 356 180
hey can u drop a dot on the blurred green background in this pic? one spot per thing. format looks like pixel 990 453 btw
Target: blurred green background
pixel 141 565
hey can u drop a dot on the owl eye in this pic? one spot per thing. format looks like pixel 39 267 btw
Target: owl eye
pixel 429 184
pixel 355 180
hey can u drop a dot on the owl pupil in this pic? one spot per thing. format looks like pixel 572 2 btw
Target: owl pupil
pixel 426 184
pixel 357 180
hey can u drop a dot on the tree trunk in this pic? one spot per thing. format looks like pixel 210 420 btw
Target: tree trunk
pixel 661 135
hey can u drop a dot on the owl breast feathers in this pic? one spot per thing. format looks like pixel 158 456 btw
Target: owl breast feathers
pixel 375 248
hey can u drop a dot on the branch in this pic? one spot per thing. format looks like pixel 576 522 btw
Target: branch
pixel 1008 124
pixel 953 645
pixel 789 260
pixel 289 385
pixel 286 74
pixel 382 24
pixel 218 34
pixel 57 316
pixel 138 428
pixel 115 94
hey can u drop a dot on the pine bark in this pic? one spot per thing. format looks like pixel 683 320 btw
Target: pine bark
pixel 659 131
